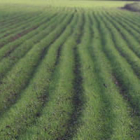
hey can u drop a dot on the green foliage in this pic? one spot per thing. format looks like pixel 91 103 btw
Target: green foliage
pixel 69 70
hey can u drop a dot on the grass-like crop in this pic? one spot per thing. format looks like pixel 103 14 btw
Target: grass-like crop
pixel 69 70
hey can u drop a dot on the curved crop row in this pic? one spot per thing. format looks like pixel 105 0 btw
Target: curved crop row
pixel 25 21
pixel 36 94
pixel 9 48
pixel 125 51
pixel 127 32
pixel 124 75
pixel 131 51
pixel 21 32
pixel 110 102
pixel 89 122
pixel 56 115
pixel 129 16
pixel 71 74
pixel 18 78
pixel 10 19
pixel 13 26
pixel 128 20
pixel 131 28
pixel 12 55
pixel 17 27
pixel 132 43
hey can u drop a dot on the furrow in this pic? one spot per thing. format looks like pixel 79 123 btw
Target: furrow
pixel 114 111
pixel 20 75
pixel 10 20
pixel 77 84
pixel 27 22
pixel 15 36
pixel 89 124
pixel 9 61
pixel 122 46
pixel 133 43
pixel 35 95
pixel 9 48
pixel 55 116
pixel 128 25
pixel 16 27
pixel 125 76
pixel 131 17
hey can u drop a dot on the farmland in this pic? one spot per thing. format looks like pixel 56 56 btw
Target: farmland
pixel 69 71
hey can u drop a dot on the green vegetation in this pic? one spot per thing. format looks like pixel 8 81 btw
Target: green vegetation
pixel 69 71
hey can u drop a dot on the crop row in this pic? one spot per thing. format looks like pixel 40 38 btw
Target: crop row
pixel 24 22
pixel 74 75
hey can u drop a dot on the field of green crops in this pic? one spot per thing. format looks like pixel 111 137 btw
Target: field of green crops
pixel 69 70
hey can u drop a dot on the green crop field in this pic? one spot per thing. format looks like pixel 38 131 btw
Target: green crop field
pixel 69 70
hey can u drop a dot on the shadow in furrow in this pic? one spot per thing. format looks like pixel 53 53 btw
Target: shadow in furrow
pixel 133 65
pixel 78 90
pixel 45 97
pixel 134 112
pixel 15 96
pixel 23 33
pixel 58 55
pixel 124 90
pixel 123 35
pixel 119 83
pixel 17 45
pixel 107 109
